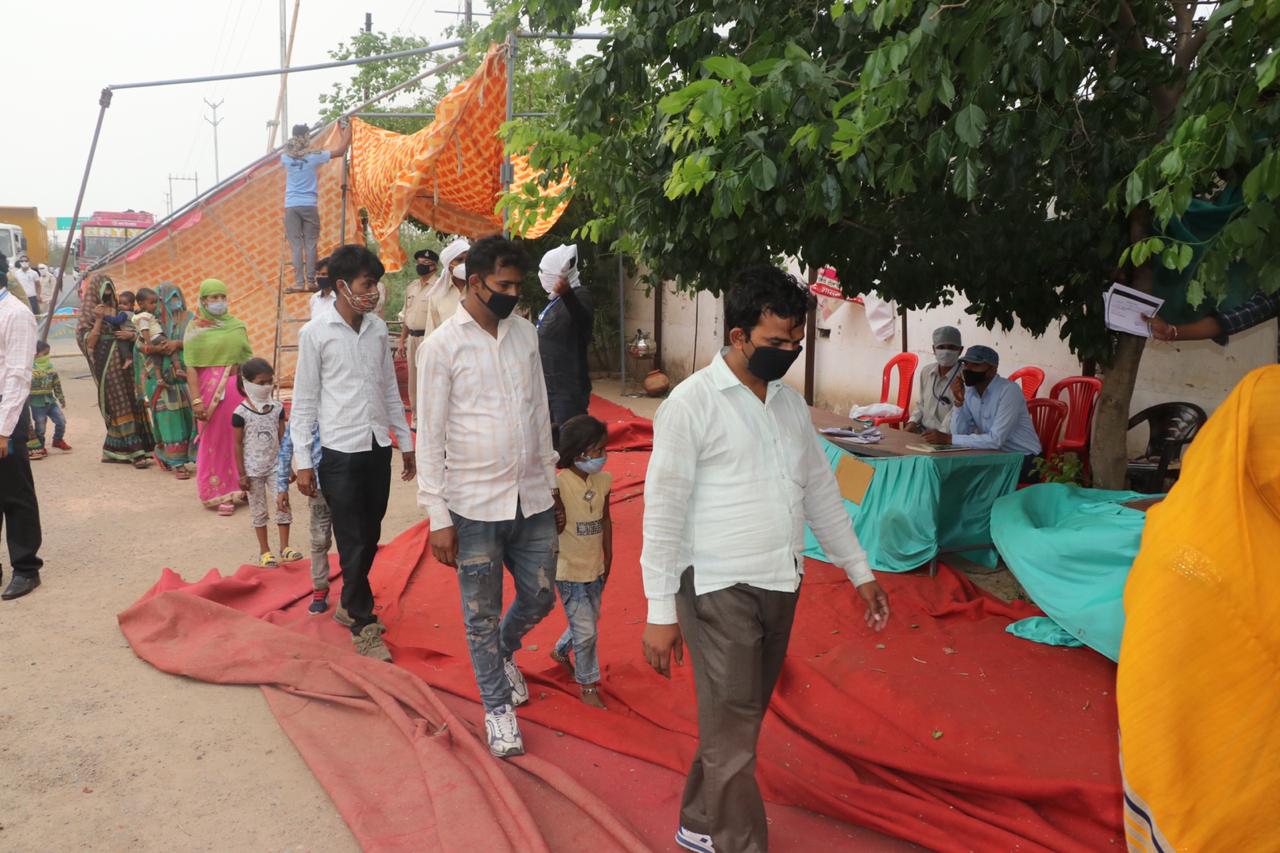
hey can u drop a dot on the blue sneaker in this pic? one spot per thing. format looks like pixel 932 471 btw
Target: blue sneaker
pixel 503 730
pixel 690 840
pixel 319 602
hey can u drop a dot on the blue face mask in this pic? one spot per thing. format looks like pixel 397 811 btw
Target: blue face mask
pixel 590 466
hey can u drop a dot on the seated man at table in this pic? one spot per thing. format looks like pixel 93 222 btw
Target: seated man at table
pixel 935 402
pixel 992 411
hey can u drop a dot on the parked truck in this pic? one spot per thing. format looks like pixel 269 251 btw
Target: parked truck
pixel 32 237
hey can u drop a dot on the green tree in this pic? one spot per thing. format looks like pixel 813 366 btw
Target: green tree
pixel 1014 151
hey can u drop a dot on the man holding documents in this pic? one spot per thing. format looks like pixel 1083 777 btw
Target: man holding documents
pixel 1219 325
pixel 992 411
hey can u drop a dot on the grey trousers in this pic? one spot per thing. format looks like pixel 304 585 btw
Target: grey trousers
pixel 321 539
pixel 737 639
pixel 302 229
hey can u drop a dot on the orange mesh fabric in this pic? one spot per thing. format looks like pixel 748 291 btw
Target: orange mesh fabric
pixel 237 235
pixel 447 175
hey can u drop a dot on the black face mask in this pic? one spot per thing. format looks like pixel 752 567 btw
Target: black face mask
pixel 425 269
pixel 323 283
pixel 500 304
pixel 771 363
pixel 974 377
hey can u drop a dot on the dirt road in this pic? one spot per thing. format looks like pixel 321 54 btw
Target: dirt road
pixel 97 749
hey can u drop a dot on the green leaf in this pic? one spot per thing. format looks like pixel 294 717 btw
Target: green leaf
pixel 1265 70
pixel 965 179
pixel 837 11
pixel 727 68
pixel 763 174
pixel 1185 256
pixel 1140 253
pixel 970 124
pixel 946 90
pixel 1133 194
pixel 1195 292
pixel 1171 165
pixel 1040 14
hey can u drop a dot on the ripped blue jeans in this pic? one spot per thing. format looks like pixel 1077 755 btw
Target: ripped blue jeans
pixel 582 608
pixel 529 548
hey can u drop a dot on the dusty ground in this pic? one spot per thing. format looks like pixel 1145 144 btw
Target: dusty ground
pixel 97 749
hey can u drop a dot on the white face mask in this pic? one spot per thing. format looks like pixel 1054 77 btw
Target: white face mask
pixel 218 308
pixel 946 358
pixel 259 395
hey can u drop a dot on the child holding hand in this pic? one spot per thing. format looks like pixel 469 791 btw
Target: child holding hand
pixel 586 548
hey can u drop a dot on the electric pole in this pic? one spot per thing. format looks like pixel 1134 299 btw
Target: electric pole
pixel 172 177
pixel 368 22
pixel 467 14
pixel 215 121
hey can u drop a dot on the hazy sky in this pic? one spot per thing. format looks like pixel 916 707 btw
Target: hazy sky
pixel 58 54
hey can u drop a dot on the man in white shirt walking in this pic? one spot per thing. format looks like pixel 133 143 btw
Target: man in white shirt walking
pixel 735 474
pixel 346 382
pixel 19 509
pixel 483 407
pixel 30 281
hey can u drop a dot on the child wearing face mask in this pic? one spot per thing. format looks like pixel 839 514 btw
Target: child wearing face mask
pixel 259 423
pixel 586 548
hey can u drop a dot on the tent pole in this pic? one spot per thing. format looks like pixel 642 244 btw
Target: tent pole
pixel 346 176
pixel 319 66
pixel 507 177
pixel 622 327
pixel 435 69
pixel 104 101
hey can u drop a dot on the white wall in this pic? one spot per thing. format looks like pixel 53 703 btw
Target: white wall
pixel 849 361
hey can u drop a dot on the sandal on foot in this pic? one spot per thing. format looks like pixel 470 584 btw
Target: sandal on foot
pixel 182 473
pixel 563 660
pixel 591 696
pixel 142 464
pixel 226 510
pixel 268 560
pixel 290 554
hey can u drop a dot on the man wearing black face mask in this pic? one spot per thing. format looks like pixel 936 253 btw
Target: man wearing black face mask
pixel 992 414
pixel 736 472
pixel 483 407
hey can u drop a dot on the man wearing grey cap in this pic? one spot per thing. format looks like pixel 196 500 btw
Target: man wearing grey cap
pixel 935 398
pixel 992 412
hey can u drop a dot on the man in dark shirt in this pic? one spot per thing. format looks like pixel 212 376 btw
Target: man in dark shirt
pixel 1220 325
pixel 564 335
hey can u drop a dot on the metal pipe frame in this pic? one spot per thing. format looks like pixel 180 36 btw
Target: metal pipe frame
pixel 525 34
pixel 319 66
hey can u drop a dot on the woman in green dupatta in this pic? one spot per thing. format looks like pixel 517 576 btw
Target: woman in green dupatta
pixel 109 351
pixel 214 347
pixel 162 377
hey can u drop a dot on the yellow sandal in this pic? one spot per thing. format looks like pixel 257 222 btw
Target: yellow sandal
pixel 268 560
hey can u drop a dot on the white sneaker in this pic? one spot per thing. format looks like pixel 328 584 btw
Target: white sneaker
pixel 504 732
pixel 690 840
pixel 519 690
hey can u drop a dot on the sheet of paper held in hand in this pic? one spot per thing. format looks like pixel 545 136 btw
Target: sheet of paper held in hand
pixel 1125 308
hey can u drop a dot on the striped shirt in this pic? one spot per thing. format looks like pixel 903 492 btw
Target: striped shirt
pixel 17 352
pixel 484 431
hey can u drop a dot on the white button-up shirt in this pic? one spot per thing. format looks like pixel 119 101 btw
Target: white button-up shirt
pixel 17 352
pixel 484 432
pixel 346 382
pixel 730 485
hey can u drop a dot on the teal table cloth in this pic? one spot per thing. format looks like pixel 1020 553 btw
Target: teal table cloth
pixel 1071 549
pixel 917 505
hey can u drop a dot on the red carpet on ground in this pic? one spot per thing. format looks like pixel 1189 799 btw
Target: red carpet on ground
pixel 943 730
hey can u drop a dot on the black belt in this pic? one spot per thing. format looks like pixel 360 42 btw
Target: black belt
pixel 416 333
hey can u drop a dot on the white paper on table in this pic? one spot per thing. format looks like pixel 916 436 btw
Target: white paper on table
pixel 1125 308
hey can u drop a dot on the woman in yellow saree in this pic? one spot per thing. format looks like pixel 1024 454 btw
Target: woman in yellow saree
pixel 1199 680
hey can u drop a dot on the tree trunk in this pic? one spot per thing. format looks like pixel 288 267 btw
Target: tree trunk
pixel 1108 454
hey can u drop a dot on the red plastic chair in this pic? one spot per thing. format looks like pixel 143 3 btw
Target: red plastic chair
pixel 1082 398
pixel 906 364
pixel 1031 378
pixel 1047 417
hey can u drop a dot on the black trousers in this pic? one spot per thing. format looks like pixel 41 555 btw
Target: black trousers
pixel 356 486
pixel 19 510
